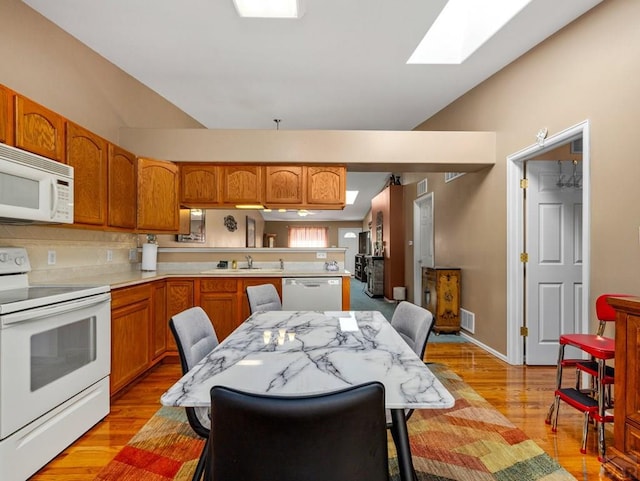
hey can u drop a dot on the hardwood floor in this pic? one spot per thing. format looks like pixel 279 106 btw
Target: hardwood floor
pixel 522 394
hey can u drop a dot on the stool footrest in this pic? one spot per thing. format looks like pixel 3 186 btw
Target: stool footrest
pixel 578 400
pixel 591 368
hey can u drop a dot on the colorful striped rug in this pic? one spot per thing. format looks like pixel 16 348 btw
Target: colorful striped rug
pixel 470 442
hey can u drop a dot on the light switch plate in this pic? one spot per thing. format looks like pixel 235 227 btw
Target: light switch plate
pixel 321 255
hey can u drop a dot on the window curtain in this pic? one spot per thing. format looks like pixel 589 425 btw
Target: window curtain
pixel 308 236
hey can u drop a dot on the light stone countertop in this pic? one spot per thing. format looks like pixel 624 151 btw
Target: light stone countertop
pixel 136 276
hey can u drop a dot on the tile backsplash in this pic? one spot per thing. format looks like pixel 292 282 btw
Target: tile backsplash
pixel 76 252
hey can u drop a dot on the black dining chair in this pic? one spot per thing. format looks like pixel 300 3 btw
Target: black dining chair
pixel 339 436
pixel 263 297
pixel 195 337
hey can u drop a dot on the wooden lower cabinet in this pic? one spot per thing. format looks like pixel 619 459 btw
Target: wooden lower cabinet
pixel 180 296
pixel 219 299
pixel 158 334
pixel 131 310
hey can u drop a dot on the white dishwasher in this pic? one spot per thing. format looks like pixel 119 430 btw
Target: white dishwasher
pixel 312 293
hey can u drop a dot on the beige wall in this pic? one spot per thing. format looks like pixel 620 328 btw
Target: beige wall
pixel 51 67
pixel 589 70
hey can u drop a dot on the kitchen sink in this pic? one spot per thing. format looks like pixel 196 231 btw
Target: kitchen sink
pixel 243 270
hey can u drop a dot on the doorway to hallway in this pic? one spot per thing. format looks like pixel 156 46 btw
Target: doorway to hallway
pixel 519 246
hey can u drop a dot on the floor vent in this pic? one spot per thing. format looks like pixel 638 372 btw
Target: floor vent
pixel 468 321
pixel 421 187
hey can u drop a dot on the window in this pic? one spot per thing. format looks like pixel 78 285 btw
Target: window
pixel 308 237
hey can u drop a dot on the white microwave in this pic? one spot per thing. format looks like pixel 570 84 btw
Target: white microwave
pixel 34 189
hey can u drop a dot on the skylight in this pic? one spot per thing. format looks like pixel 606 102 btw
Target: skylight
pixel 462 27
pixel 351 196
pixel 269 9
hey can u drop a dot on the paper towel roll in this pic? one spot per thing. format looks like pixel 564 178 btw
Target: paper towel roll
pixel 149 257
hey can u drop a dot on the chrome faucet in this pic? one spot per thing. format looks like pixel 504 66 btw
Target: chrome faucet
pixel 281 264
pixel 250 262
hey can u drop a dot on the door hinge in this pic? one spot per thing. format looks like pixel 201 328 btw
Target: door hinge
pixel 524 331
pixel 524 257
pixel 524 183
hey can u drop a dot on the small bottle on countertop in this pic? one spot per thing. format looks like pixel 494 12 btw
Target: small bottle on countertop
pixel 234 264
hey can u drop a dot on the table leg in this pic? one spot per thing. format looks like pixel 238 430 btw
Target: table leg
pixel 401 438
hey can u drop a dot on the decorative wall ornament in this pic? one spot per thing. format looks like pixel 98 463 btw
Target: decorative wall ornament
pixel 230 223
pixel 541 135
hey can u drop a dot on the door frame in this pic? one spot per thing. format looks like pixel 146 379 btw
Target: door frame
pixel 417 242
pixel 516 230
pixel 341 232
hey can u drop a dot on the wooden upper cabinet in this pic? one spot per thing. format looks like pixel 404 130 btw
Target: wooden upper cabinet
pixel 38 129
pixel 158 199
pixel 242 184
pixel 199 184
pixel 121 190
pixel 87 154
pixel 6 115
pixel 326 185
pixel 284 185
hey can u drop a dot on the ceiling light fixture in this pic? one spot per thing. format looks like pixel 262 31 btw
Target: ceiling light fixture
pixel 462 27
pixel 269 8
pixel 351 196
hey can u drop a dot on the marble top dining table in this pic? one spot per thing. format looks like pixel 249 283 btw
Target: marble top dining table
pixel 309 352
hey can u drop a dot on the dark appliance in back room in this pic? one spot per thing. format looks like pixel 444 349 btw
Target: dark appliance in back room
pixel 55 358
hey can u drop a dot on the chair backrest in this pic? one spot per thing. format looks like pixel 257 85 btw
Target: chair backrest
pixel 414 324
pixel 195 338
pixel 339 436
pixel 263 298
pixel 605 312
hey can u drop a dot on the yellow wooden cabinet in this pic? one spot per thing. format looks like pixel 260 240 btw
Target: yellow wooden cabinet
pixel 199 184
pixel 159 320
pixel 284 186
pixel 87 153
pixel 242 185
pixel 158 202
pixel 441 296
pixel 219 299
pixel 131 310
pixel 326 186
pixel 180 296
pixel 6 115
pixel 122 188
pixel 38 129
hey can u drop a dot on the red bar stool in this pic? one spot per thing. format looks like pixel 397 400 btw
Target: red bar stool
pixel 595 406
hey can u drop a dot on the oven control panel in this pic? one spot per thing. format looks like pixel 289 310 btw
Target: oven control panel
pixel 14 260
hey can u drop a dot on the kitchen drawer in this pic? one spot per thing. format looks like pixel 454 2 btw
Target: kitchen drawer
pixel 129 295
pixel 219 285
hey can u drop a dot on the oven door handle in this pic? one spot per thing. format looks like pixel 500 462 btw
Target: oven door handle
pixel 56 309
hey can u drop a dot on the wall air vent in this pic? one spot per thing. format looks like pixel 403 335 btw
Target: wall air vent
pixel 449 176
pixel 421 187
pixel 468 321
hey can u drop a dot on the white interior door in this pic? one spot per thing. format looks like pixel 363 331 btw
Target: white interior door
pixel 423 241
pixel 348 238
pixel 554 244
